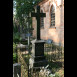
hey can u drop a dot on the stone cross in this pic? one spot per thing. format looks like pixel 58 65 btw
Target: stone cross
pixel 37 59
pixel 38 15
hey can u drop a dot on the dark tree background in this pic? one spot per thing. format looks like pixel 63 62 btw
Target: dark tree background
pixel 21 9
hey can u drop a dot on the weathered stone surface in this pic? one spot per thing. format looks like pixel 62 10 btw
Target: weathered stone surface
pixel 38 47
pixel 16 70
pixel 21 46
pixel 37 58
pixel 37 64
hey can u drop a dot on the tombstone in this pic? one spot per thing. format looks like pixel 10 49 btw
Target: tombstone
pixel 37 57
pixel 49 41
pixel 23 36
pixel 16 70
pixel 28 35
pixel 22 47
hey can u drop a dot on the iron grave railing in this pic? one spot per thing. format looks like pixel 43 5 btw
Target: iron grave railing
pixel 54 55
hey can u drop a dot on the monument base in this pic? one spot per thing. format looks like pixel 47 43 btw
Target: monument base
pixel 36 65
pixel 37 59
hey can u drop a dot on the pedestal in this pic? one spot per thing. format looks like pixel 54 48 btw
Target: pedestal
pixel 16 70
pixel 37 59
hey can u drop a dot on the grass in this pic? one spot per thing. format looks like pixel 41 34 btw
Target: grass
pixel 14 58
pixel 57 69
pixel 55 57
pixel 60 73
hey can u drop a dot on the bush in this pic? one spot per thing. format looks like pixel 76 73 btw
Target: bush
pixel 57 75
pixel 16 37
pixel 14 53
pixel 14 58
pixel 14 47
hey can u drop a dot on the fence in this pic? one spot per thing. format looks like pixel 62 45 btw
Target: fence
pixel 54 54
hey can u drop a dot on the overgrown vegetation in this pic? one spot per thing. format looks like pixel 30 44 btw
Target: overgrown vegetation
pixel 56 68
pixel 21 10
pixel 14 58
pixel 14 53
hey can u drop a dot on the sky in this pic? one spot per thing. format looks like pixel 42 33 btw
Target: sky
pixel 14 9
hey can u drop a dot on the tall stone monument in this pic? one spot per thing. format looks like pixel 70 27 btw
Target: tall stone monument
pixel 37 57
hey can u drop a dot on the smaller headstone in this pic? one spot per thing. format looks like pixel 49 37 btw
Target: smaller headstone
pixel 22 47
pixel 28 35
pixel 23 36
pixel 49 41
pixel 16 70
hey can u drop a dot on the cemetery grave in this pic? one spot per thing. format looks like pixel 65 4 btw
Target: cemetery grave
pixel 39 53
pixel 54 65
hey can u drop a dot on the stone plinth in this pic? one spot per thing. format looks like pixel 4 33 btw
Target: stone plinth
pixel 37 57
pixel 16 70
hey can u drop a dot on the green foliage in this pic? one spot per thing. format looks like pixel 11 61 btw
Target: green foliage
pixel 14 53
pixel 23 8
pixel 16 33
pixel 15 29
pixel 14 58
pixel 14 47
pixel 16 37
pixel 57 75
